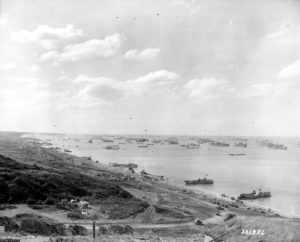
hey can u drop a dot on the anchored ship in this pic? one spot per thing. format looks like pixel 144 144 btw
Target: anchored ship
pixel 203 181
pixel 254 195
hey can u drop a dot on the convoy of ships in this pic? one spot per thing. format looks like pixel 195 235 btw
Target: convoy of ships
pixel 194 144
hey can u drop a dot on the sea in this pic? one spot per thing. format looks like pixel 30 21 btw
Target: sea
pixel 234 168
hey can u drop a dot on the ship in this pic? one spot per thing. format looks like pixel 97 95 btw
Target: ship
pixel 193 146
pixel 112 147
pixel 236 154
pixel 203 181
pixel 254 195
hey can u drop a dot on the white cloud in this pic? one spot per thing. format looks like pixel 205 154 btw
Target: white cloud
pixel 205 88
pixel 290 71
pixel 8 66
pixel 34 68
pixel 264 89
pixel 97 91
pixel 256 90
pixel 47 36
pixel 109 46
pixel 146 54
pixel 109 89
pixel 3 20
pixel 152 80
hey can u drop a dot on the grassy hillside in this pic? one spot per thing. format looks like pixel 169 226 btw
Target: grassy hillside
pixel 21 183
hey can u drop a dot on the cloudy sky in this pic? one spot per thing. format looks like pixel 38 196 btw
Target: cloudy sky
pixel 205 67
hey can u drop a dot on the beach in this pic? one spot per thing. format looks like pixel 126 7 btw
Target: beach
pixel 268 169
pixel 170 210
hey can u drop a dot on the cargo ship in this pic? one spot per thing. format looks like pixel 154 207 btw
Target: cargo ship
pixel 200 181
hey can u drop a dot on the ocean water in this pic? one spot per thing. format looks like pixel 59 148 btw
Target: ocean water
pixel 277 171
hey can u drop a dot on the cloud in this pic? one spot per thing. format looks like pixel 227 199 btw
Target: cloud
pixel 206 88
pixel 3 20
pixel 190 6
pixel 146 54
pixel 47 36
pixel 151 81
pixel 8 66
pixel 108 89
pixel 97 91
pixel 256 90
pixel 34 68
pixel 106 47
pixel 264 90
pixel 290 71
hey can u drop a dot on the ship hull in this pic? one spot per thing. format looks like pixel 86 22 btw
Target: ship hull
pixel 245 196
pixel 199 182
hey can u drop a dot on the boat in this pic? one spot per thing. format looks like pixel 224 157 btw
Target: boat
pixel 254 195
pixel 203 181
pixel 217 143
pixel 193 146
pixel 241 144
pixel 107 140
pixel 236 154
pixel 112 147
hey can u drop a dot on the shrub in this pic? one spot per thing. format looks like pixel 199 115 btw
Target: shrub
pixel 78 230
pixel 39 225
pixel 4 191
pixel 9 224
pixel 50 201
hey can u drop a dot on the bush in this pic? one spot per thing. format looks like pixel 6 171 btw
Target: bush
pixel 9 224
pixel 118 229
pixel 78 230
pixel 4 191
pixel 39 225
pixel 115 229
pixel 102 230
pixel 50 201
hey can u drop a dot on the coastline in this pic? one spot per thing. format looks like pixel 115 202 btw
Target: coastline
pixel 170 206
pixel 175 182
pixel 171 181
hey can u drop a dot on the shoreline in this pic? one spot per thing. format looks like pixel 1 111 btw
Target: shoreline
pixel 172 210
pixel 171 181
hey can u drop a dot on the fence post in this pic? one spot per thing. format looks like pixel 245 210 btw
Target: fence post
pixel 94 229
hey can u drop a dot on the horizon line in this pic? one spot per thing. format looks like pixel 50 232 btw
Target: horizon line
pixel 124 134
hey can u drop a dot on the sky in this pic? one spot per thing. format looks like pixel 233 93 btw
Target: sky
pixel 178 67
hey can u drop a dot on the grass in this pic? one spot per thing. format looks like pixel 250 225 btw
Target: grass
pixel 20 183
